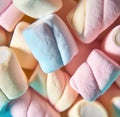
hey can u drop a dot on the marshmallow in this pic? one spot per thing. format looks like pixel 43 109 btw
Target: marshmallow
pixel 39 8
pixel 3 37
pixel 111 45
pixel 21 49
pixel 56 83
pixel 12 78
pixel 87 109
pixel 89 19
pixel 116 106
pixel 38 81
pixel 83 81
pixel 100 70
pixel 10 17
pixel 31 104
pixel 4 4
pixel 51 42
pixel 60 94
pixel 105 70
pixel 54 87
pixel 3 100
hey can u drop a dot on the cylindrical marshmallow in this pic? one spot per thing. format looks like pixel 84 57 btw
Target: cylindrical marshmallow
pixel 95 76
pixel 105 70
pixel 51 42
pixel 21 49
pixel 12 78
pixel 87 109
pixel 111 45
pixel 83 81
pixel 39 8
pixel 10 18
pixel 54 87
pixel 32 104
pixel 59 91
pixel 90 18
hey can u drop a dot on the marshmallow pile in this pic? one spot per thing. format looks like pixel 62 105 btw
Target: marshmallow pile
pixel 59 58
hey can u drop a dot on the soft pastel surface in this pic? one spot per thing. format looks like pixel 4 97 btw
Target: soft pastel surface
pixel 38 8
pixel 8 22
pixel 54 46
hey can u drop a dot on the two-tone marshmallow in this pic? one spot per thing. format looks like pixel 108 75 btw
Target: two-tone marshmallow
pixel 55 87
pixel 95 76
pixel 38 81
pixel 21 49
pixel 29 105
pixel 13 81
pixel 51 42
pixel 89 19
pixel 3 100
pixel 58 85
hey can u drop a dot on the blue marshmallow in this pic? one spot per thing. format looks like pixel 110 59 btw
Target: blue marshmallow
pixel 50 42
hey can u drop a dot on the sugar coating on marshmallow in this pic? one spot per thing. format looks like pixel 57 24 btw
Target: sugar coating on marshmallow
pixel 51 42
pixel 57 84
pixel 21 49
pixel 95 76
pixel 83 81
pixel 105 70
pixel 84 109
pixel 32 104
pixel 38 8
pixel 12 78
pixel 64 95
pixel 89 19
pixel 38 81
pixel 69 96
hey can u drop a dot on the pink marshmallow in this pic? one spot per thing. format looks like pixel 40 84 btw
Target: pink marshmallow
pixel 10 18
pixel 32 104
pixel 4 4
pixel 111 45
pixel 19 106
pixel 95 76
pixel 90 18
pixel 105 70
pixel 83 81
